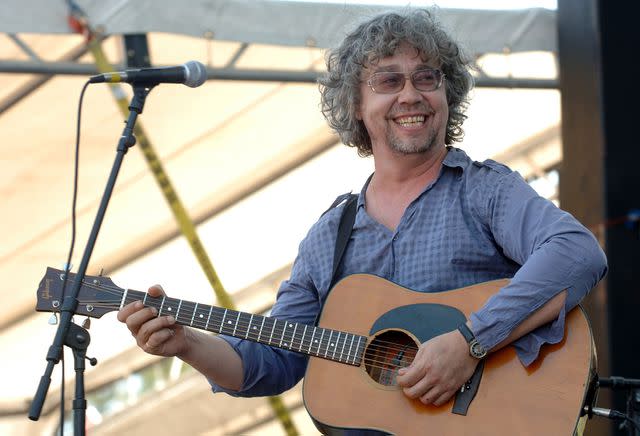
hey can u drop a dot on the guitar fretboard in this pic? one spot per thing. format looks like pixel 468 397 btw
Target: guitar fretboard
pixel 328 344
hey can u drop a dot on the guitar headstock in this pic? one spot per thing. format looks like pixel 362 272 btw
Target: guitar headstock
pixel 97 295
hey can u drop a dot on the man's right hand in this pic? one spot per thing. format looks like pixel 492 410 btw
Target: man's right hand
pixel 155 335
pixel 207 353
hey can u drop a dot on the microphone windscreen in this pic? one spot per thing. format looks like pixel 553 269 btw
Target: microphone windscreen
pixel 195 74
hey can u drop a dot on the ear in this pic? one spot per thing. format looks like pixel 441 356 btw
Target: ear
pixel 358 113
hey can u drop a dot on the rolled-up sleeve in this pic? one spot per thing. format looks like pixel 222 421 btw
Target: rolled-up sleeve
pixel 555 252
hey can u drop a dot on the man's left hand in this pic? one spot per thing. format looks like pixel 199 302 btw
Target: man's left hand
pixel 441 366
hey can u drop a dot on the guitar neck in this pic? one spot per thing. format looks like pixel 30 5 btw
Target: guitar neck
pixel 328 344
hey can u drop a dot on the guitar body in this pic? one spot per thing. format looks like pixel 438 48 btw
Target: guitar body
pixel 544 399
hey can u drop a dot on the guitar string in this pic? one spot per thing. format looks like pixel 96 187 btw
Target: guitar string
pixel 393 347
pixel 377 362
pixel 380 356
pixel 190 306
pixel 380 352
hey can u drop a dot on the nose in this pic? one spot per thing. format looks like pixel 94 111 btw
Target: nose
pixel 409 94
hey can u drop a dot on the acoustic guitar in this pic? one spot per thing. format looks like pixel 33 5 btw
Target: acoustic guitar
pixel 368 329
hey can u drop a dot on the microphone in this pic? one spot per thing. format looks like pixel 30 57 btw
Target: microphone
pixel 619 383
pixel 192 74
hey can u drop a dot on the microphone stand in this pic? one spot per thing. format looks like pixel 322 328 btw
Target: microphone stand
pixel 630 420
pixel 68 333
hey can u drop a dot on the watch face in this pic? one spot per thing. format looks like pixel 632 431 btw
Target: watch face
pixel 477 350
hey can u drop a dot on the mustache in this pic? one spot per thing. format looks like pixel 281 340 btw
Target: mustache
pixel 400 110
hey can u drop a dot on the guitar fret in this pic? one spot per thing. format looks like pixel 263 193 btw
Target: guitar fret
pixel 249 328
pixel 302 340
pixel 293 336
pixel 333 356
pixel 344 342
pixel 272 330
pixel 357 349
pixel 320 344
pixel 124 298
pixel 282 335
pixel 311 341
pixel 222 322
pixel 261 325
pixel 350 347
pixel 178 310
pixel 162 304
pixel 195 309
pixel 144 300
pixel 206 326
pixel 236 325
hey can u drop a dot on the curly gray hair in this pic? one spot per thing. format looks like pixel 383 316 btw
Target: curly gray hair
pixel 379 38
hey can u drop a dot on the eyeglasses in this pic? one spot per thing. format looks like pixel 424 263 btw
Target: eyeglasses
pixel 391 82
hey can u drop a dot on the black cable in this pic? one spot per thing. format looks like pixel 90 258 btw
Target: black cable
pixel 67 266
pixel 612 414
pixel 635 424
pixel 619 415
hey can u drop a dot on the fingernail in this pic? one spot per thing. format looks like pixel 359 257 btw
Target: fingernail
pixel 154 311
pixel 171 319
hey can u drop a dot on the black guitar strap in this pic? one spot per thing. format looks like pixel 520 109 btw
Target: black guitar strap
pixel 347 219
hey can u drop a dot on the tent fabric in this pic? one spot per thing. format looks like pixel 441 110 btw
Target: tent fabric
pixel 287 23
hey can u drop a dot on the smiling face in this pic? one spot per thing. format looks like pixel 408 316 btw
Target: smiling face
pixel 409 121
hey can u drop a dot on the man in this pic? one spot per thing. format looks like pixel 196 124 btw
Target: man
pixel 429 219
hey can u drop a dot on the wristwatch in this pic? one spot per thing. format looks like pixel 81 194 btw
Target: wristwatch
pixel 475 349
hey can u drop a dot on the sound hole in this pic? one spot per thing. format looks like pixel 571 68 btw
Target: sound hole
pixel 386 354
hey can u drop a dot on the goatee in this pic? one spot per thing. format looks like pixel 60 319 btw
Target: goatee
pixel 409 147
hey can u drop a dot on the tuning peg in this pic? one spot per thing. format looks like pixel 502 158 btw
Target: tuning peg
pixel 86 324
pixel 53 319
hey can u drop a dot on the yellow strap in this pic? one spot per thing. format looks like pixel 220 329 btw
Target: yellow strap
pixel 184 221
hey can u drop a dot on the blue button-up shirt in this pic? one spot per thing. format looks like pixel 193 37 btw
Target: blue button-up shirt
pixel 476 222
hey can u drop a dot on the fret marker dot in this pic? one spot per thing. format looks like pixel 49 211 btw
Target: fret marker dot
pixel 169 309
pixel 333 345
pixel 315 341
pixel 228 322
pixel 285 344
pixel 255 328
pixel 201 316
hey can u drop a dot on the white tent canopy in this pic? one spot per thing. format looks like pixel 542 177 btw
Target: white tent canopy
pixel 288 23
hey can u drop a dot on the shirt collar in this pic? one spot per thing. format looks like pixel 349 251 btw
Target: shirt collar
pixel 455 158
